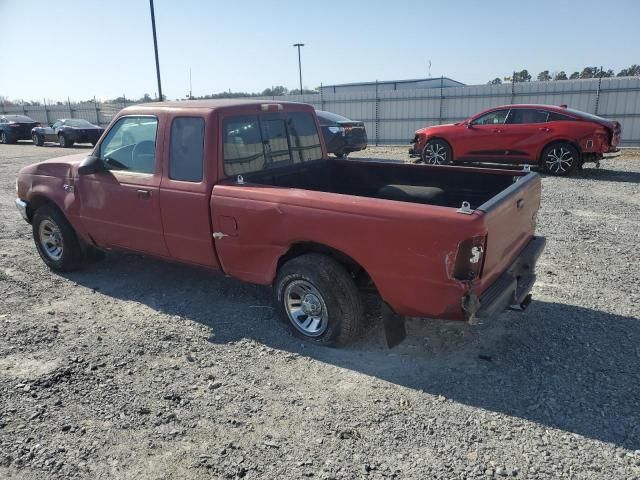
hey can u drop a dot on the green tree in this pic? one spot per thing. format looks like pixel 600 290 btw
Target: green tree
pixel 274 91
pixel 522 76
pixel 574 76
pixel 560 75
pixel 544 76
pixel 495 81
pixel 632 71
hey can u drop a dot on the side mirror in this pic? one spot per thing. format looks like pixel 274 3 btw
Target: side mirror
pixel 90 165
pixel 469 125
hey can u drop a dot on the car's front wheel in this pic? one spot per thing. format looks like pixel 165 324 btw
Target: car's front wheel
pixel 56 240
pixel 64 142
pixel 4 138
pixel 560 158
pixel 436 152
pixel 37 140
pixel 318 299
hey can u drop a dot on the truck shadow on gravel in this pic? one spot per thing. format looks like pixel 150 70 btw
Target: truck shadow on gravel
pixel 558 365
pixel 606 175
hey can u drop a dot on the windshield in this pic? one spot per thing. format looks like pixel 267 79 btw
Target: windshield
pixel 78 122
pixel 586 115
pixel 328 117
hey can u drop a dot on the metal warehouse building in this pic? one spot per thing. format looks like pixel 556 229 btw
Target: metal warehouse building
pixel 389 85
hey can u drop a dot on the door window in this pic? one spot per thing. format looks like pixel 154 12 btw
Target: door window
pixel 497 117
pixel 558 117
pixel 518 116
pixel 187 148
pixel 131 145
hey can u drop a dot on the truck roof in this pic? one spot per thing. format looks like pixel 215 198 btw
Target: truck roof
pixel 213 103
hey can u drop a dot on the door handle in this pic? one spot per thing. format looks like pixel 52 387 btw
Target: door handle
pixel 544 129
pixel 144 194
pixel 497 130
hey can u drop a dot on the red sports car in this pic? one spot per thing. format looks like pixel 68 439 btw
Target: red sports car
pixel 559 139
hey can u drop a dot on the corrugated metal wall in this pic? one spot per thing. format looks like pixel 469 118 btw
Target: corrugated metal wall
pixel 392 116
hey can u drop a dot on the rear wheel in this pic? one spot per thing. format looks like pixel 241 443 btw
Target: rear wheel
pixel 560 158
pixel 37 140
pixel 318 299
pixel 436 152
pixel 56 240
pixel 3 137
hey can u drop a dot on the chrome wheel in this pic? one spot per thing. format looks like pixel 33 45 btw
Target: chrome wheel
pixel 559 160
pixel 50 240
pixel 306 308
pixel 62 141
pixel 435 154
pixel 3 138
pixel 35 140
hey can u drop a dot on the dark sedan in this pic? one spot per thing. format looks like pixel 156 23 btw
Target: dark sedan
pixel 341 135
pixel 66 132
pixel 16 127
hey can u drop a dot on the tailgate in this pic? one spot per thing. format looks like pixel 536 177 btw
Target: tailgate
pixel 510 220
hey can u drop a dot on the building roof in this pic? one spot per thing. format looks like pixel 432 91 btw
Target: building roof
pixel 379 82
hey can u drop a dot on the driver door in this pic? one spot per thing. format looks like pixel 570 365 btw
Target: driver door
pixel 485 138
pixel 121 206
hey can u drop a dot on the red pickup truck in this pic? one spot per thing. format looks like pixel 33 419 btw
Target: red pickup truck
pixel 247 188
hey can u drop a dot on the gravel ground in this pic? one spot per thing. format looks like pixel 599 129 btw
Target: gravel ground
pixel 137 369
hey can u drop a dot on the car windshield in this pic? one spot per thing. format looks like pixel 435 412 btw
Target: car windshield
pixel 19 118
pixel 78 122
pixel 328 117
pixel 586 115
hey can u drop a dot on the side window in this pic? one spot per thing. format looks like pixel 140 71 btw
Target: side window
pixel 492 118
pixel 558 117
pixel 303 137
pixel 131 145
pixel 187 149
pixel 526 116
pixel 56 124
pixel 242 145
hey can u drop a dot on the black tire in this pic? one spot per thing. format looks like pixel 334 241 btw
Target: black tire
pixel 37 140
pixel 4 138
pixel 51 219
pixel 64 141
pixel 340 301
pixel 560 159
pixel 436 152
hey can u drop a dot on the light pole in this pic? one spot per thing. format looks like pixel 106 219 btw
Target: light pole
pixel 299 63
pixel 155 47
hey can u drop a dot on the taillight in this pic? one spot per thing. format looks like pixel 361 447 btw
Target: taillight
pixel 14 125
pixel 38 124
pixel 470 258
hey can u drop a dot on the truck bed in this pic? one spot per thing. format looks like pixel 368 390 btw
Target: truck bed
pixel 447 187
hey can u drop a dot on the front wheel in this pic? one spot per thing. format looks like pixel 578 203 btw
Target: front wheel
pixel 318 299
pixel 436 152
pixel 56 240
pixel 560 159
pixel 37 140
pixel 64 141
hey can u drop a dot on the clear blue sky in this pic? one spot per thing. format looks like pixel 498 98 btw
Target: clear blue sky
pixel 60 48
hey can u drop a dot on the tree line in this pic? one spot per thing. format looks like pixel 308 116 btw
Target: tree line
pixel 587 72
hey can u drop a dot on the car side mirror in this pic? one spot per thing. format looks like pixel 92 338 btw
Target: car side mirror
pixel 469 125
pixel 90 165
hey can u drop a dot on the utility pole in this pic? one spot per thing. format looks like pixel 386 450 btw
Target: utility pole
pixel 155 47
pixel 190 92
pixel 299 63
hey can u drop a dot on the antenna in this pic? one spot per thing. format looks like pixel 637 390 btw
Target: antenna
pixel 190 92
pixel 429 68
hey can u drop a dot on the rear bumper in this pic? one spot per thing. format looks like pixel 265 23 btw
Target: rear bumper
pixel 512 288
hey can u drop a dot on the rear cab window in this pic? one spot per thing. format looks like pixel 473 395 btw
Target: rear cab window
pixel 252 143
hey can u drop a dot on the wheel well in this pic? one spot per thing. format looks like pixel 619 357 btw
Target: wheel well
pixel 442 140
pixel 35 203
pixel 554 142
pixel 358 273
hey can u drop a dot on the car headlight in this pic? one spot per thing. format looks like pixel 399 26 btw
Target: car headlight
pixel 335 129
